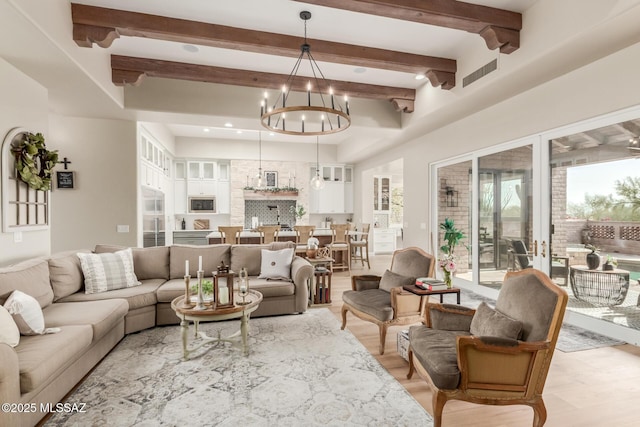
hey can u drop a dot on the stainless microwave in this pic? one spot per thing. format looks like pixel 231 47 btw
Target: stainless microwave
pixel 202 204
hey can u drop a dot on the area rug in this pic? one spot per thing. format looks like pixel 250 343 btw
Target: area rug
pixel 301 370
pixel 571 338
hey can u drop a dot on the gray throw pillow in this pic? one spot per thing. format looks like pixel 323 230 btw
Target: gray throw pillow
pixel 491 323
pixel 393 280
pixel 447 317
pixel 108 271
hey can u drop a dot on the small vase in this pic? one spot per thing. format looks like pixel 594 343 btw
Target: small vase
pixel 593 261
pixel 607 267
pixel 447 279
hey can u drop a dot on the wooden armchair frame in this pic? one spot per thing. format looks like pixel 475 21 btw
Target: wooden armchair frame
pixel 407 307
pixel 495 371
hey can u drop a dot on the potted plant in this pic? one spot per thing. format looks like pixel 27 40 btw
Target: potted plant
pixel 298 212
pixel 452 237
pixel 610 264
pixel 593 258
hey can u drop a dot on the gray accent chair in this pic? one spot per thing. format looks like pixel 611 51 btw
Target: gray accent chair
pixel 491 357
pixel 381 299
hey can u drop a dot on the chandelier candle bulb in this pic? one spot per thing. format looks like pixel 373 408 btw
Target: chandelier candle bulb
pixel 308 95
pixel 346 102
pixel 333 105
pixel 284 95
pixel 302 124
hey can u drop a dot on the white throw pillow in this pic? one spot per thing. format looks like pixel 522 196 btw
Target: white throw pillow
pixel 276 264
pixel 27 314
pixel 108 271
pixel 9 333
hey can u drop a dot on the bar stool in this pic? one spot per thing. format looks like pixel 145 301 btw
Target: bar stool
pixel 359 244
pixel 230 234
pixel 303 233
pixel 340 243
pixel 268 233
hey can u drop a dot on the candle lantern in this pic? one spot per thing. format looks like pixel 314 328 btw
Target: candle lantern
pixel 243 289
pixel 223 287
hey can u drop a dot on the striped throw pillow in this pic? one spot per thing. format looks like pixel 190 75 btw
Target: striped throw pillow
pixel 108 271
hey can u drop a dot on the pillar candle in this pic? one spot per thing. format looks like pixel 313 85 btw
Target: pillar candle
pixel 224 295
pixel 200 263
pixel 186 268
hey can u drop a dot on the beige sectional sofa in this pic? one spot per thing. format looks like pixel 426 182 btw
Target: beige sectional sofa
pixel 42 369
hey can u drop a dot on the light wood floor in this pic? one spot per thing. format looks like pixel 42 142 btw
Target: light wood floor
pixel 598 387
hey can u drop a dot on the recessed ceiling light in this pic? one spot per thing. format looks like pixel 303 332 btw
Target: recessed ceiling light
pixel 228 125
pixel 420 77
pixel 238 131
pixel 206 129
pixel 359 70
pixel 190 48
pixel 271 133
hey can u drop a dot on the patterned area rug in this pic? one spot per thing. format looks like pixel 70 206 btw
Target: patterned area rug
pixel 301 370
pixel 571 338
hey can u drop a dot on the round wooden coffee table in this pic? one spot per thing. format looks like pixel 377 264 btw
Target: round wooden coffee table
pixel 188 313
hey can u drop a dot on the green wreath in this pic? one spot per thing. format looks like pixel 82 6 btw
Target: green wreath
pixel 34 162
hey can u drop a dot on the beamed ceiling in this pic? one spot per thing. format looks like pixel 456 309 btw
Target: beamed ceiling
pixel 93 25
pixel 195 66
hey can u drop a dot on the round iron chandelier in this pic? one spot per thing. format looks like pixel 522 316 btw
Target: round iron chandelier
pixel 321 114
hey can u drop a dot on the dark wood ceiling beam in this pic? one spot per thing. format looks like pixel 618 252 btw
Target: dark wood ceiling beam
pixel 498 27
pixel 127 70
pixel 101 26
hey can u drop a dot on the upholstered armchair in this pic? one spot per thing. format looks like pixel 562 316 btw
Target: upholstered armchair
pixel 487 356
pixel 381 300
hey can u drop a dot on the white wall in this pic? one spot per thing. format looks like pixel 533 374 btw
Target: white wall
pixel 23 103
pixel 103 156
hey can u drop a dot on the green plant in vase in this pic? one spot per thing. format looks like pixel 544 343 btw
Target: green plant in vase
pixel 298 212
pixel 207 290
pixel 452 237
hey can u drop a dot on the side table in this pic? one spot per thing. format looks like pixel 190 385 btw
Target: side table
pixel 322 289
pixel 599 287
pixel 418 291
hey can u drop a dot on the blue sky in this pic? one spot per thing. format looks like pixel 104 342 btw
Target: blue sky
pixel 598 178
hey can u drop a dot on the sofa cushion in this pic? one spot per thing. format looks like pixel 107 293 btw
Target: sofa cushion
pixel 276 264
pixel 148 263
pixel 272 288
pixel 375 302
pixel 9 333
pixel 65 274
pixel 247 256
pixel 27 314
pixel 437 352
pixel 392 280
pixel 102 315
pixel 212 257
pixel 108 271
pixel 171 289
pixel 31 277
pixel 43 356
pixel 488 322
pixel 137 296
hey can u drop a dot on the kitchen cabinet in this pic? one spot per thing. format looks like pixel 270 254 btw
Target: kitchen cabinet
pixel 191 237
pixel 384 240
pixel 201 178
pixel 223 197
pixel 381 193
pixel 337 194
pixel 201 170
pixel 180 196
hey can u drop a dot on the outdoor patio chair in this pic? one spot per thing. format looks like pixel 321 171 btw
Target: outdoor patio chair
pixel 519 258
